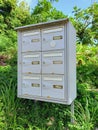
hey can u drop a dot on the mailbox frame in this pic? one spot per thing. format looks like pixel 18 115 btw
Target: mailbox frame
pixel 51 61
pixel 33 82
pixel 69 60
pixel 34 63
pixel 33 40
pixel 53 34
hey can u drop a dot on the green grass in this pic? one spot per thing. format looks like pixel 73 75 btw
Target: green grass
pixel 23 114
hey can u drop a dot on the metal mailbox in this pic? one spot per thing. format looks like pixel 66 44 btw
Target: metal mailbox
pixel 31 85
pixel 47 62
pixel 53 86
pixel 53 38
pixel 51 61
pixel 31 63
pixel 31 41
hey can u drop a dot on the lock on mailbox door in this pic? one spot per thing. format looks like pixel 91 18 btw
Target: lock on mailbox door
pixel 53 86
pixel 31 41
pixel 53 38
pixel 31 63
pixel 53 62
pixel 31 85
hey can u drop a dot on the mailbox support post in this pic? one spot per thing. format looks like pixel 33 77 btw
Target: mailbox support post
pixel 72 112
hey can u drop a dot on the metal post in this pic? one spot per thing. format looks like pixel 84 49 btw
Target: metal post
pixel 72 112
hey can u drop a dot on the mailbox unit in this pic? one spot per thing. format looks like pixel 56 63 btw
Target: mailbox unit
pixel 47 62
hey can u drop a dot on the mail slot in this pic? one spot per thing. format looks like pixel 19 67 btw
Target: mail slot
pixel 31 41
pixel 53 38
pixel 31 85
pixel 53 62
pixel 31 63
pixel 53 86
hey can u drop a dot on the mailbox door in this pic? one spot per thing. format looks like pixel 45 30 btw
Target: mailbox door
pixel 53 38
pixel 53 62
pixel 31 85
pixel 31 63
pixel 53 86
pixel 31 41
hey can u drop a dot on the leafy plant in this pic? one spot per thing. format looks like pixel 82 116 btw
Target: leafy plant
pixel 2 118
pixel 83 118
pixel 22 114
pixel 85 22
pixel 9 104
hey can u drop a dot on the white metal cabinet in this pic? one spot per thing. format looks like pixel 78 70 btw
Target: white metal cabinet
pixel 53 86
pixel 53 38
pixel 31 62
pixel 31 41
pixel 53 62
pixel 31 85
pixel 47 62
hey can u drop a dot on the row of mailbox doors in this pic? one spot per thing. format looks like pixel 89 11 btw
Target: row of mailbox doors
pixel 47 39
pixel 43 62
pixel 49 86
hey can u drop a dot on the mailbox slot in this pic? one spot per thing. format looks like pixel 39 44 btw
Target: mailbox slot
pixel 35 40
pixel 58 86
pixel 31 41
pixel 58 62
pixel 53 38
pixel 35 85
pixel 31 63
pixel 31 85
pixel 57 37
pixel 53 86
pixel 35 62
pixel 53 62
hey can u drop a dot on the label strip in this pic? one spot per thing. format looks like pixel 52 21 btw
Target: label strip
pixel 31 33
pixel 28 77
pixel 53 30
pixel 31 56
pixel 53 79
pixel 53 54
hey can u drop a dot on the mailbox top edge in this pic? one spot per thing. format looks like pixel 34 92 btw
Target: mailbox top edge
pixel 43 24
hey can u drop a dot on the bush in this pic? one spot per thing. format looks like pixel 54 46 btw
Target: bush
pixel 28 114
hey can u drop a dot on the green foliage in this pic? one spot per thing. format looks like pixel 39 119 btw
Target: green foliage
pixel 7 42
pixel 87 77
pixel 9 104
pixel 13 15
pixel 44 11
pixel 22 114
pixel 42 115
pixel 86 22
pixel 28 114
pixel 87 68
pixel 2 118
pixel 7 73
pixel 6 6
pixel 82 118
